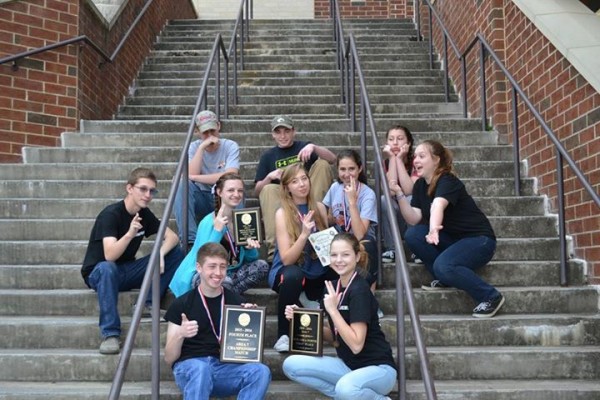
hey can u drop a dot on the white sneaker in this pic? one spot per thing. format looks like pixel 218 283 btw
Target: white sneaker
pixel 283 344
pixel 306 303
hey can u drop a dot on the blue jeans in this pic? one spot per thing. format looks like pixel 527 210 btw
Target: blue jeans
pixel 333 378
pixel 200 203
pixel 201 377
pixel 109 278
pixel 454 262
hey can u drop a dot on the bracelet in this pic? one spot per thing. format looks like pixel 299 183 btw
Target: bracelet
pixel 400 196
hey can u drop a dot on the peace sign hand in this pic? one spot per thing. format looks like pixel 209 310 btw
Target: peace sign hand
pixel 308 225
pixel 351 193
pixel 331 298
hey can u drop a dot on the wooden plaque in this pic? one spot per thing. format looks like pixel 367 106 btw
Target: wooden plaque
pixel 306 332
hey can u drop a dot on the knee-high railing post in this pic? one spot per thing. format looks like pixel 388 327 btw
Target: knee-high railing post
pixel 560 196
pixel 446 75
pixel 483 89
pixel 516 144
pixel 463 69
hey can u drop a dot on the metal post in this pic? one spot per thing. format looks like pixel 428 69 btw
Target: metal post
pixel 430 40
pixel 446 91
pixel 155 329
pixel 483 94
pixel 235 74
pixel 463 67
pixel 352 95
pixel 564 279
pixel 218 84
pixel 418 19
pixel 516 144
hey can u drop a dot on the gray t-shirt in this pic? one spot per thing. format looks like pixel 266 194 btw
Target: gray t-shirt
pixel 226 156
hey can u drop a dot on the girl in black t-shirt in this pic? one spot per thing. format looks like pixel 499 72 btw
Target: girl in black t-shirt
pixel 450 233
pixel 364 368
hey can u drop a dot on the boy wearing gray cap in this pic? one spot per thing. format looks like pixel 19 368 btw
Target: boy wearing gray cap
pixel 209 157
pixel 317 162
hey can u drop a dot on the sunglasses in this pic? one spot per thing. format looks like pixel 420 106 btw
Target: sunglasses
pixel 145 189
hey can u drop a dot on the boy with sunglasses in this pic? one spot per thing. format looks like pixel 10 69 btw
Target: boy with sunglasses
pixel 110 267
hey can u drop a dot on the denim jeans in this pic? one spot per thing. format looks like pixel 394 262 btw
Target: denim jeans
pixel 200 203
pixel 109 278
pixel 454 262
pixel 333 378
pixel 201 377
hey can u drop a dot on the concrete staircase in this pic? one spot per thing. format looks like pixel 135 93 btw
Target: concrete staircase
pixel 543 345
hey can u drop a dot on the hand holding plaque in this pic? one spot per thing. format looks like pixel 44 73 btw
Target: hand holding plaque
pixel 247 225
pixel 306 332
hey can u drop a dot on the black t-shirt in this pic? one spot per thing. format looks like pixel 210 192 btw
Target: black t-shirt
pixel 276 158
pixel 360 305
pixel 205 343
pixel 114 221
pixel 462 217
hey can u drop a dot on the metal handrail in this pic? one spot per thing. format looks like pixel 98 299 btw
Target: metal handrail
pixel 349 64
pixel 83 38
pixel 152 272
pixel 486 49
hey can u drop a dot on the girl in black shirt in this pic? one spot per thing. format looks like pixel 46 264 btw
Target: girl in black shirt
pixel 450 233
pixel 365 368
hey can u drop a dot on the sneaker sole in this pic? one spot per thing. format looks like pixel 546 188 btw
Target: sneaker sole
pixel 490 315
pixel 431 288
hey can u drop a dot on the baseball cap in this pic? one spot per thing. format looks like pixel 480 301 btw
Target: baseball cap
pixel 206 120
pixel 281 120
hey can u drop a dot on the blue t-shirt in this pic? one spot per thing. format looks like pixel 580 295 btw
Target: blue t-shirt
pixel 335 199
pixel 226 156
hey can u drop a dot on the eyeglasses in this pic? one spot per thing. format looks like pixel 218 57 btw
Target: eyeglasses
pixel 145 189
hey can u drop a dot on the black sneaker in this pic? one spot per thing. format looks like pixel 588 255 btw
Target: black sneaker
pixel 487 309
pixel 434 285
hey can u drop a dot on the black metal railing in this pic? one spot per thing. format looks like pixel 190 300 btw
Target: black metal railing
pixel 350 66
pixel 152 275
pixel 486 51
pixel 83 39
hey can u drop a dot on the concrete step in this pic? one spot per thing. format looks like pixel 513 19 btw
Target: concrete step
pixel 45 332
pixel 189 95
pixel 32 208
pixel 499 273
pixel 263 125
pixel 285 390
pixel 196 81
pixel 74 229
pixel 519 300
pixel 162 153
pixel 114 189
pixel 153 139
pixel 577 362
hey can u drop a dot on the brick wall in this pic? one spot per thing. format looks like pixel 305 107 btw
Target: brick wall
pixel 101 90
pixel 569 104
pixel 367 8
pixel 38 101
pixel 51 92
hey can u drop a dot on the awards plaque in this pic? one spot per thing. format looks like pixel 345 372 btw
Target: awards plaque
pixel 247 225
pixel 306 332
pixel 242 333
pixel 321 242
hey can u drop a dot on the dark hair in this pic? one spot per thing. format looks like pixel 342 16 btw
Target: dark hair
pixel 140 173
pixel 358 248
pixel 211 249
pixel 411 141
pixel 230 176
pixel 354 156
pixel 444 166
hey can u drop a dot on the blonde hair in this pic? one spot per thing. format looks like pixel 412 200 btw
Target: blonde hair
pixel 290 209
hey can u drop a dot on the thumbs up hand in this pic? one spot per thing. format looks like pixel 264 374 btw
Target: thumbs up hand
pixel 188 328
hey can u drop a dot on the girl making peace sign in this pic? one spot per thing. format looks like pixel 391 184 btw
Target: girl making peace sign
pixel 364 368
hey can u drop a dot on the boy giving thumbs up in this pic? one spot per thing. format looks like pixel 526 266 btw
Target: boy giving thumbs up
pixel 194 337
